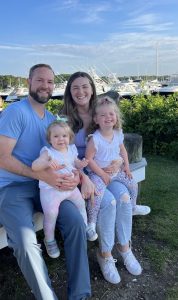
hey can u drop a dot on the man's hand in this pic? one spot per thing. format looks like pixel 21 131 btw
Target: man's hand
pixel 63 182
pixel 69 181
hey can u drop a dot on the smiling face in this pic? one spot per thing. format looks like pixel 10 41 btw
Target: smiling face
pixel 41 85
pixel 59 138
pixel 81 91
pixel 105 116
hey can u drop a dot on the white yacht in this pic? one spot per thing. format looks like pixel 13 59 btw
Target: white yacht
pixel 100 84
pixel 4 93
pixel 170 87
pixel 17 94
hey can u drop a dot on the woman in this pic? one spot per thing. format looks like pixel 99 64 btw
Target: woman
pixel 79 99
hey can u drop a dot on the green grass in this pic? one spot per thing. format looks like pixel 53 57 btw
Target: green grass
pixel 160 191
pixel 160 228
pixel 159 231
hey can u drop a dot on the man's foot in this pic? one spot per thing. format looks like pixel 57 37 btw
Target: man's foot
pixel 141 210
pixel 52 248
pixel 91 232
pixel 108 268
pixel 131 263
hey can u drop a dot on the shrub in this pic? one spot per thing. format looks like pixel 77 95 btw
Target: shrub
pixel 174 149
pixel 54 105
pixel 153 117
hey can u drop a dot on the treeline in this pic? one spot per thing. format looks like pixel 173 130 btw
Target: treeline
pixel 13 81
pixel 9 80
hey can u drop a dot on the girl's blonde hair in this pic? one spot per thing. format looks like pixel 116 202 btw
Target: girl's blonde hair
pixel 106 100
pixel 63 124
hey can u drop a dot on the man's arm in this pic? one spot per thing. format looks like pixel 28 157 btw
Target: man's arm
pixel 9 162
pixel 13 165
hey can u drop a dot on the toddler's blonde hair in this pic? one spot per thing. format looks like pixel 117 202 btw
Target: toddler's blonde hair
pixel 63 124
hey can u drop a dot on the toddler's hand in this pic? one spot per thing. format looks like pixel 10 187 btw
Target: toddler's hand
pixel 84 162
pixel 80 164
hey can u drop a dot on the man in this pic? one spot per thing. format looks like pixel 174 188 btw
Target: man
pixel 22 134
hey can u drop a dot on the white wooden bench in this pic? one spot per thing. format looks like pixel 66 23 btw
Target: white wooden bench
pixel 138 172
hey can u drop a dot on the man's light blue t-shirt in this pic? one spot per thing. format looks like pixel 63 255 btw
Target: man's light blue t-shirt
pixel 20 122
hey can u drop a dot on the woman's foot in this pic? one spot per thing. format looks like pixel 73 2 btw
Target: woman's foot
pixel 131 263
pixel 52 248
pixel 108 268
pixel 141 210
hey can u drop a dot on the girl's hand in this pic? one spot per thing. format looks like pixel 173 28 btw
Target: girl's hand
pixel 127 171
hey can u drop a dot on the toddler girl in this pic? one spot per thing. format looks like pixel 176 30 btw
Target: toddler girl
pixel 61 152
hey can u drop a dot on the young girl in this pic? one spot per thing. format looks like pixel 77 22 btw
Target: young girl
pixel 104 146
pixel 61 157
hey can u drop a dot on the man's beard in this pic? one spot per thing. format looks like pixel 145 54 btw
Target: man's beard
pixel 39 99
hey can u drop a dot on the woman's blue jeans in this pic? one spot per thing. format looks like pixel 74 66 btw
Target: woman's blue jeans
pixel 115 217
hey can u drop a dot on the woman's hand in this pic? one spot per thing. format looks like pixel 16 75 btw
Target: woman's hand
pixel 106 178
pixel 114 167
pixel 87 188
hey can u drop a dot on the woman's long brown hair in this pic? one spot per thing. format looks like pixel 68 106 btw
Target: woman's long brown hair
pixel 70 108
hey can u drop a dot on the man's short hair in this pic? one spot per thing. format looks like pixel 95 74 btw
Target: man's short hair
pixel 32 69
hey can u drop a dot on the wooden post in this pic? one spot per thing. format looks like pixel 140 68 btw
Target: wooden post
pixel 133 144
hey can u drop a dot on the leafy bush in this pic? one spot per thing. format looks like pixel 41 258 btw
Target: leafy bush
pixel 54 105
pixel 156 119
pixel 174 149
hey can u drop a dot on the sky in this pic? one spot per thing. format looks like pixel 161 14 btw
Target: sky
pixel 124 37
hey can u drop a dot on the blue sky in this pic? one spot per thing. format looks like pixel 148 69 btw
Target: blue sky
pixel 126 37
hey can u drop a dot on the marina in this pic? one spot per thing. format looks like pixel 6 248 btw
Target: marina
pixel 124 88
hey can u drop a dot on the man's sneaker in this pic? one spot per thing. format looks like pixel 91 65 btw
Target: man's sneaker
pixel 131 263
pixel 141 210
pixel 52 248
pixel 91 232
pixel 108 268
